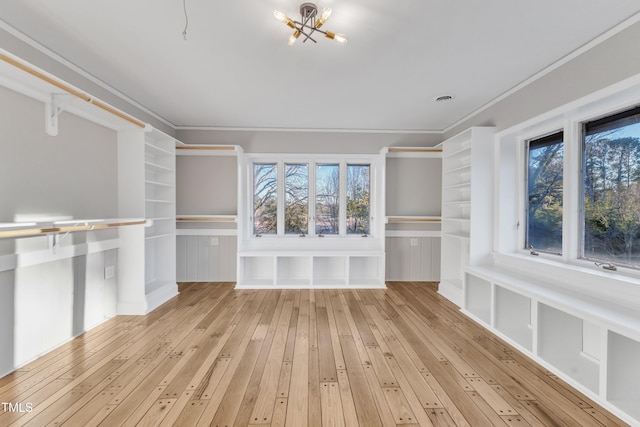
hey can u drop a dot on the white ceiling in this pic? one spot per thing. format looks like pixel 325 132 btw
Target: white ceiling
pixel 236 70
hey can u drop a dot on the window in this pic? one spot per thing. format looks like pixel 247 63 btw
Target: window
pixel 265 198
pixel 327 198
pixel 544 194
pixel 316 198
pixel 611 189
pixel 296 213
pixel 358 199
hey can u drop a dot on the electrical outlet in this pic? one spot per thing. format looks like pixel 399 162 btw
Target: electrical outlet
pixel 109 272
pixel 414 242
pixel 214 241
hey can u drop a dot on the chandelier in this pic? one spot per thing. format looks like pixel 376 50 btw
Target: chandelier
pixel 309 23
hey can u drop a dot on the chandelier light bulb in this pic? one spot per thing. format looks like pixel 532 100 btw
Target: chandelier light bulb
pixel 341 38
pixel 284 18
pixel 324 17
pixel 294 37
pixel 280 16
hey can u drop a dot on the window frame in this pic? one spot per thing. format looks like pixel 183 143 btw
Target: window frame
pixel 542 139
pixel 312 161
pixel 571 122
pixel 609 117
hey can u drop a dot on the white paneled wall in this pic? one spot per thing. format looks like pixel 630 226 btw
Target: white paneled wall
pixel 206 258
pixel 45 305
pixel 413 258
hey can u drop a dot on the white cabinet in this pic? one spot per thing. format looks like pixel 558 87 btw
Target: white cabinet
pixel 467 162
pixel 311 269
pixel 593 346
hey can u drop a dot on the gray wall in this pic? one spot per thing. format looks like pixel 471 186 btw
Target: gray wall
pixel 72 174
pixel 414 187
pixel 206 185
pixel 605 64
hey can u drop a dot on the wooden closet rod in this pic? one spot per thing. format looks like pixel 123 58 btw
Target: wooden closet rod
pixel 27 232
pixel 414 220
pixel 414 150
pixel 71 90
pixel 206 147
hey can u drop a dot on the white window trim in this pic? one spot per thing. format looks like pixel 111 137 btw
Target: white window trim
pixel 311 160
pixel 569 118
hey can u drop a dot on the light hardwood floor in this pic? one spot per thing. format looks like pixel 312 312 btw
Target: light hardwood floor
pixel 224 357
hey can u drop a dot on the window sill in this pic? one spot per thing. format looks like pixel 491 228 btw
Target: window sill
pixel 579 276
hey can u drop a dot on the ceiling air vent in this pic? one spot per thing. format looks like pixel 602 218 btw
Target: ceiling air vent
pixel 444 98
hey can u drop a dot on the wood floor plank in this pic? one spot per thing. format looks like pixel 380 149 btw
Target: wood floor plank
pixel 363 398
pixel 332 414
pixel 402 356
pixel 298 399
pixel 326 361
pixel 268 388
pixel 346 399
pixel 399 406
pixel 333 332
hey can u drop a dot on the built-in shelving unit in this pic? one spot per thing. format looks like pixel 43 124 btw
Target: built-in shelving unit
pixel 595 346
pixel 413 213
pixel 206 220
pixel 160 209
pixel 311 269
pixel 313 261
pixel 466 176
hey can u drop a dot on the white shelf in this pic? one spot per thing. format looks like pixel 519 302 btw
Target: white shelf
pixel 310 269
pixel 560 344
pixel 158 167
pixel 207 218
pixel 159 201
pixel 153 147
pixel 623 373
pixel 207 150
pixel 461 236
pixel 159 184
pixel 417 219
pixel 478 297
pixel 158 236
pixel 457 149
pixel 513 316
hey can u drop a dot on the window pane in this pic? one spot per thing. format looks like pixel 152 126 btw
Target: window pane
pixel 611 182
pixel 296 214
pixel 327 199
pixel 357 199
pixel 265 198
pixel 544 203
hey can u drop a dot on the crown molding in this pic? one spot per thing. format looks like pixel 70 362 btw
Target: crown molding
pixel 311 130
pixel 80 71
pixel 565 59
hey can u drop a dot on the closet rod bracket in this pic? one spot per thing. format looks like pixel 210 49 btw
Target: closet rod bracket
pixel 52 110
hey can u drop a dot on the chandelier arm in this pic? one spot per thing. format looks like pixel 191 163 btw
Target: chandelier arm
pixel 302 25
pixel 311 28
pixel 307 36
